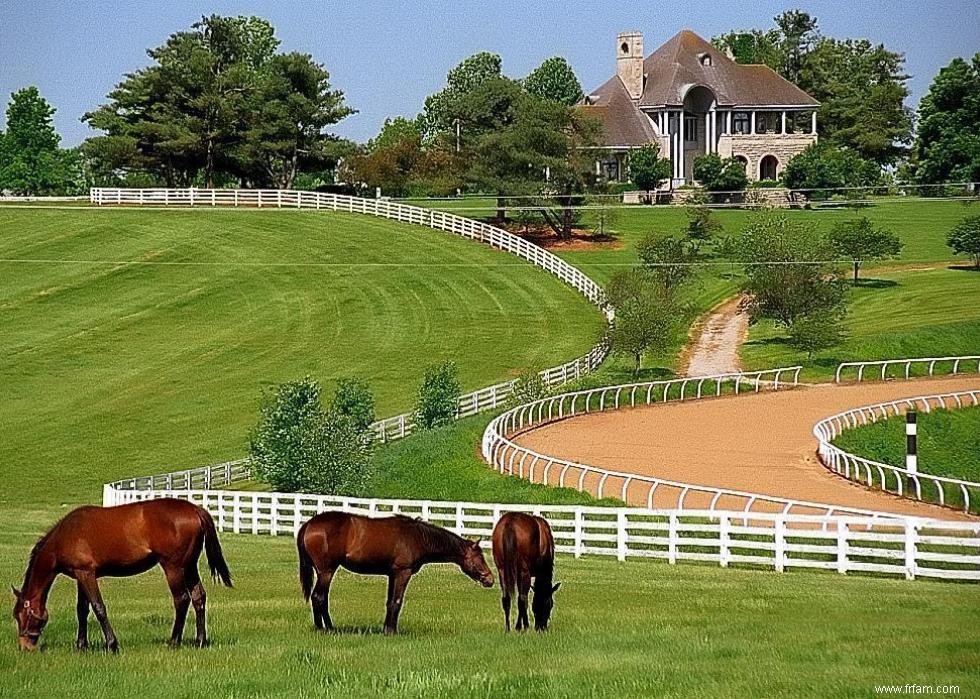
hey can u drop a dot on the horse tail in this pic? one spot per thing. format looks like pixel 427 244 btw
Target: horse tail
pixel 305 564
pixel 212 549
pixel 510 557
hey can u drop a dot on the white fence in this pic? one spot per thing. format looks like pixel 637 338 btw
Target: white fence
pixel 402 425
pixel 927 366
pixel 906 547
pixel 875 474
pixel 508 457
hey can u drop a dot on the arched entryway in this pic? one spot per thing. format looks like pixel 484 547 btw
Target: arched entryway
pixel 699 136
pixel 768 167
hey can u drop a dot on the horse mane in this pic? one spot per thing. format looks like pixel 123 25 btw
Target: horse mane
pixel 35 552
pixel 435 537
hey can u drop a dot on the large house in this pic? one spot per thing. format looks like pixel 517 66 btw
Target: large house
pixel 691 98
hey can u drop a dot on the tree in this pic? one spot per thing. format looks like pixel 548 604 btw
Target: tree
pixel 554 80
pixel 647 168
pixel 438 398
pixel 860 241
pixel 31 162
pixel 786 270
pixel 964 239
pixel 441 111
pixel 668 260
pixel 821 168
pixel 818 330
pixel 354 399
pixel 647 317
pixel 218 99
pixel 296 446
pixel 702 228
pixel 720 175
pixel 861 86
pixel 947 147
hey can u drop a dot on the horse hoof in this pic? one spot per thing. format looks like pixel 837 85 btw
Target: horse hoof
pixel 203 643
pixel 113 647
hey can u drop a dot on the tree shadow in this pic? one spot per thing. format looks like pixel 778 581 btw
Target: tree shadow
pixel 874 283
pixel 964 268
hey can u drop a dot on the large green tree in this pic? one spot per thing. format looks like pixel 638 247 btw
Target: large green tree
pixel 31 163
pixel 861 86
pixel 441 112
pixel 217 98
pixel 947 146
pixel 554 80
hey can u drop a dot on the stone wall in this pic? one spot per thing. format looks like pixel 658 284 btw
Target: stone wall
pixel 757 146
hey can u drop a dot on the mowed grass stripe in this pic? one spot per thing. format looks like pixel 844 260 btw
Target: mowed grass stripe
pixel 118 370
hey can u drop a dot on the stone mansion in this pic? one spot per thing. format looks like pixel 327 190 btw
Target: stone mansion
pixel 691 99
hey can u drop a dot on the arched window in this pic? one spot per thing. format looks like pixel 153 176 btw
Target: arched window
pixel 742 159
pixel 768 167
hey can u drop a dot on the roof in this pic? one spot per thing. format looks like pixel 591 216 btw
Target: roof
pixel 676 67
pixel 623 124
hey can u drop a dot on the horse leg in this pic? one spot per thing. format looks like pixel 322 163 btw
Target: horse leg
pixel 176 579
pixel 505 589
pixel 523 587
pixel 81 609
pixel 90 585
pixel 320 600
pixel 397 582
pixel 199 600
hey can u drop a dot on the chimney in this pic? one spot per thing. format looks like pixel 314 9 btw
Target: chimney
pixel 629 62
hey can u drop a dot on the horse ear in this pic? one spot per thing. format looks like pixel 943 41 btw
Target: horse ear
pixel 555 588
pixel 15 591
pixel 476 544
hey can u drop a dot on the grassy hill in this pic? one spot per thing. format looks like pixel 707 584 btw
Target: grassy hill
pixel 139 341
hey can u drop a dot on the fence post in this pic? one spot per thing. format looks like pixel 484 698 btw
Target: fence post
pixel 107 495
pixel 621 544
pixel 459 519
pixel 236 513
pixel 578 534
pixel 780 544
pixel 723 539
pixel 841 547
pixel 672 538
pixel 911 535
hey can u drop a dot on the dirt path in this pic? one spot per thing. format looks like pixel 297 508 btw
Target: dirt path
pixel 717 338
pixel 759 443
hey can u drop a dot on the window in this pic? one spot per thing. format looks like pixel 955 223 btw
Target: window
pixel 625 48
pixel 705 59
pixel 740 122
pixel 690 127
pixel 767 122
pixel 767 168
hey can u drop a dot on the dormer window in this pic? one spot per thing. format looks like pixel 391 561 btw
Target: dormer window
pixel 705 59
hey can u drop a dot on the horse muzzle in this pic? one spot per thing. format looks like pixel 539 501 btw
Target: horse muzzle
pixel 486 581
pixel 28 643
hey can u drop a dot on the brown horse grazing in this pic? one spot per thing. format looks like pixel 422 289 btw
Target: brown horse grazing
pixel 394 546
pixel 523 548
pixel 92 542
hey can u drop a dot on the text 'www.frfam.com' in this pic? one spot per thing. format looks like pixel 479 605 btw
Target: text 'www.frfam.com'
pixel 937 689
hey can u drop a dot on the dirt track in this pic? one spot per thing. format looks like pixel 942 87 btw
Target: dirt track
pixel 760 443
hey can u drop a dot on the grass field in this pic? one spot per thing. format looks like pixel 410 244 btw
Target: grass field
pixel 922 313
pixel 948 442
pixel 139 341
pixel 633 629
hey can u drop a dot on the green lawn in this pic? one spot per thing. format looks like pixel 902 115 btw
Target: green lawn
pixel 948 442
pixel 138 341
pixel 900 314
pixel 634 629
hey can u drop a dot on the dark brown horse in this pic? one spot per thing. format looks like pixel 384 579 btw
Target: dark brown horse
pixel 92 542
pixel 394 546
pixel 523 548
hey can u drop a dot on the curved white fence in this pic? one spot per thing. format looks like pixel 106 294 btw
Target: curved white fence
pixel 469 404
pixel 508 457
pixel 875 474
pixel 892 545
pixel 927 364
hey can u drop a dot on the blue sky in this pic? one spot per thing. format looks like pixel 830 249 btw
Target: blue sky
pixel 387 56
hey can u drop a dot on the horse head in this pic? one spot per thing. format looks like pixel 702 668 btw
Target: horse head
pixel 542 604
pixel 475 565
pixel 31 617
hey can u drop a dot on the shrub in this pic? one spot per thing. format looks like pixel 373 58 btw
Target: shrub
pixel 718 175
pixel 438 398
pixel 297 447
pixel 353 398
pixel 647 168
pixel 964 239
pixel 528 387
pixel 819 330
pixel 823 167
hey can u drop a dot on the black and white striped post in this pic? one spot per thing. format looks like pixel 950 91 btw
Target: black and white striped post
pixel 911 457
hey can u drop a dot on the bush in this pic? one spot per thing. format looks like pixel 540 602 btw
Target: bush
pixel 353 398
pixel 528 387
pixel 647 168
pixel 964 239
pixel 297 447
pixel 818 330
pixel 438 398
pixel 717 175
pixel 823 167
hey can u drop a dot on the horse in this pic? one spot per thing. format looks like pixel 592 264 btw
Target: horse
pixel 396 546
pixel 524 548
pixel 92 542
